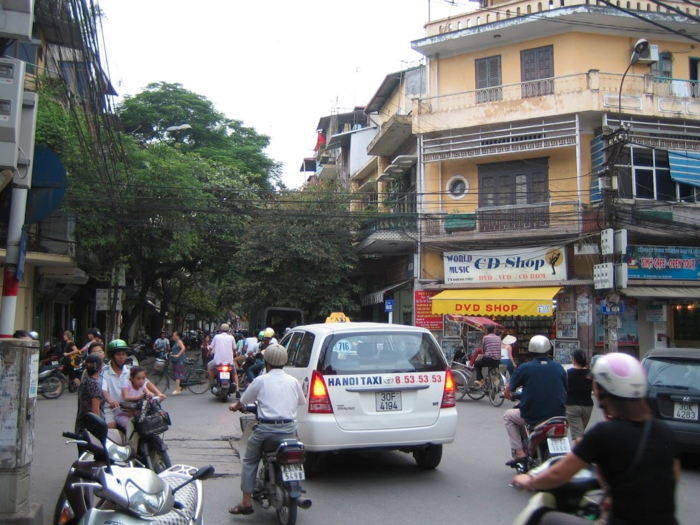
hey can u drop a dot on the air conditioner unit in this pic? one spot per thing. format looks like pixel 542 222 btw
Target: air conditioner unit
pixel 651 56
pixel 11 91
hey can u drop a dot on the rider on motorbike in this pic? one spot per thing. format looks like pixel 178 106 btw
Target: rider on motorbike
pixel 278 395
pixel 634 453
pixel 544 394
pixel 223 346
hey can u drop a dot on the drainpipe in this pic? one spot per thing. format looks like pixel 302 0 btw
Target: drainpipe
pixel 420 208
pixel 579 189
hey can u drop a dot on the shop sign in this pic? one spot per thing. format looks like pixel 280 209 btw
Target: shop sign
pixel 656 313
pixel 663 262
pixel 505 266
pixel 424 311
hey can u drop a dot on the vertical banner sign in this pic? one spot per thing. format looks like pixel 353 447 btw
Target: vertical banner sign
pixel 424 311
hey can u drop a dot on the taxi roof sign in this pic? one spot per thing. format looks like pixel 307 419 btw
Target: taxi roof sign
pixel 337 317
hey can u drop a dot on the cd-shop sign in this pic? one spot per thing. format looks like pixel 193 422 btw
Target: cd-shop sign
pixel 505 266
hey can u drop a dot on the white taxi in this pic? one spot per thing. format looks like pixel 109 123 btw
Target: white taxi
pixel 372 386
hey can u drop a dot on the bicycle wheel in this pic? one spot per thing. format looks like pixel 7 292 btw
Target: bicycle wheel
pixel 475 391
pixel 160 380
pixel 461 382
pixel 197 381
pixel 496 386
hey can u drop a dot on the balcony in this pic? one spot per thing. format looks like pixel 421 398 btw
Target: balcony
pixel 593 91
pixel 390 234
pixel 554 219
pixel 392 134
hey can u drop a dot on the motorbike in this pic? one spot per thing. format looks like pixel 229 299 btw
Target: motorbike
pixel 144 433
pixel 581 496
pixel 543 441
pixel 223 386
pixel 74 501
pixel 278 483
pixel 132 495
pixel 52 382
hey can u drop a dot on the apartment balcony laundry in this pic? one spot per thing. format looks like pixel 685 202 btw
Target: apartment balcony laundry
pixel 592 91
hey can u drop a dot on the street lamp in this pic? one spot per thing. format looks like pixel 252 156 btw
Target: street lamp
pixel 639 50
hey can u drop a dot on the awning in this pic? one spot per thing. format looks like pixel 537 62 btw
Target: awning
pixel 378 296
pixel 500 301
pixel 662 292
pixel 685 167
pixel 480 323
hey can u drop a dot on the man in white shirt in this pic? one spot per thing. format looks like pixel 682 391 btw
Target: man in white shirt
pixel 223 346
pixel 278 395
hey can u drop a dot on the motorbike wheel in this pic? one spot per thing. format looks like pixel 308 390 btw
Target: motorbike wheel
pixel 198 381
pixel 461 384
pixel 287 513
pixel 52 387
pixel 158 460
pixel 160 380
pixel 223 394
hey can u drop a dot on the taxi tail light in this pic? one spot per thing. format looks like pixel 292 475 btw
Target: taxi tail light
pixel 448 395
pixel 319 400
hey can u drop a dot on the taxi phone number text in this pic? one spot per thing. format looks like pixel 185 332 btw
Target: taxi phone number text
pixel 423 378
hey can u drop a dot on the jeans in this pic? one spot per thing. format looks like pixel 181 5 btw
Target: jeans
pixel 253 451
pixel 254 370
pixel 509 365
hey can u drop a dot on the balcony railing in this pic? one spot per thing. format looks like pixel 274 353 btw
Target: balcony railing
pixel 528 219
pixel 402 222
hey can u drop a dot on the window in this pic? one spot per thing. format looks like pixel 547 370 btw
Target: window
pixel 645 174
pixel 299 347
pixel 76 75
pixel 488 79
pixel 537 70
pixel 517 193
pixel 457 187
pixel 26 52
pixel 664 67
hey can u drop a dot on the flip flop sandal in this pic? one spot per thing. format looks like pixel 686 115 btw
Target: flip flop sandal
pixel 239 509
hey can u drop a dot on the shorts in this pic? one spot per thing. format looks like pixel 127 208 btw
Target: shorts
pixel 110 416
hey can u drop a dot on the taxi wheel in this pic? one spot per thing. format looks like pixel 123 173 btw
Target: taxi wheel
pixel 428 457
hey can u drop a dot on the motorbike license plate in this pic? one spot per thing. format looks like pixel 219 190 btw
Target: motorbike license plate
pixel 225 375
pixel 685 411
pixel 559 445
pixel 293 473
pixel 54 363
pixel 388 401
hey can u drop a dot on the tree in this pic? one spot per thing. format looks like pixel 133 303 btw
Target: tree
pixel 296 251
pixel 211 134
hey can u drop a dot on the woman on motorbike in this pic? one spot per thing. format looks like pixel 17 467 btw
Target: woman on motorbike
pixel 634 453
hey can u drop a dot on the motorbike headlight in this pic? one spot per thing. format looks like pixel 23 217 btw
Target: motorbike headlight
pixel 118 453
pixel 143 503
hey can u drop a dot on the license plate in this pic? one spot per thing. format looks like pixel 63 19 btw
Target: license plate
pixel 293 473
pixel 685 411
pixel 388 401
pixel 559 445
pixel 225 375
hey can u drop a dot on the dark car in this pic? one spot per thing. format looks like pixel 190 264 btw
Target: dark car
pixel 674 392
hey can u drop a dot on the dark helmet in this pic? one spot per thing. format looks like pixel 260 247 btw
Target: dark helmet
pixel 118 345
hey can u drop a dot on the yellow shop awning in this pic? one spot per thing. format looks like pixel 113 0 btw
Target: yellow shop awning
pixel 502 301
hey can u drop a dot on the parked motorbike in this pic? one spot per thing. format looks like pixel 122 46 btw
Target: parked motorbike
pixel 581 496
pixel 129 495
pixel 52 382
pixel 543 441
pixel 278 483
pixel 223 386
pixel 74 500
pixel 144 433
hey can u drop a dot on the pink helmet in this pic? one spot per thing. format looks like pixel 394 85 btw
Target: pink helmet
pixel 621 375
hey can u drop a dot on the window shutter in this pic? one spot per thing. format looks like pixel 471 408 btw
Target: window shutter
pixel 482 73
pixel 494 73
pixel 539 187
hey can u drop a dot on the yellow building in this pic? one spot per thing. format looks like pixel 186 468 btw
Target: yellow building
pixel 522 97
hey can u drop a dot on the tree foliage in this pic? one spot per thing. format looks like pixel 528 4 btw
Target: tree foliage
pixel 296 251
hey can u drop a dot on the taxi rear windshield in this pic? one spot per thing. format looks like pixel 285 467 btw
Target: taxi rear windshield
pixel 382 353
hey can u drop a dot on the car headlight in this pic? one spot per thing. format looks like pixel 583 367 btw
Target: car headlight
pixel 118 453
pixel 143 503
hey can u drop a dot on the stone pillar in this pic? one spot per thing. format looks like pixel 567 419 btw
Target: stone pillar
pixel 19 377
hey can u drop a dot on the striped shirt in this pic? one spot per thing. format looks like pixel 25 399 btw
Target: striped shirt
pixel 492 346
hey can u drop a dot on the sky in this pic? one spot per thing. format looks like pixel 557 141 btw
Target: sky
pixel 277 65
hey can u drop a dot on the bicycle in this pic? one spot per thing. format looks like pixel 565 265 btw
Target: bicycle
pixel 463 376
pixel 196 378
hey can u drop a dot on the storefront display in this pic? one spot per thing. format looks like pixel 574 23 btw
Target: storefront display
pixel 628 333
pixel 566 325
pixel 563 351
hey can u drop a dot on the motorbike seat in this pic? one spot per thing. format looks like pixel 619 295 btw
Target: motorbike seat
pixel 271 444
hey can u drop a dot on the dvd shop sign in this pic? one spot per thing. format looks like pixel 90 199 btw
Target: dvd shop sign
pixel 505 266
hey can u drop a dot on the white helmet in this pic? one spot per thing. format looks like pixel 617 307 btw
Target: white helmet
pixel 621 375
pixel 539 344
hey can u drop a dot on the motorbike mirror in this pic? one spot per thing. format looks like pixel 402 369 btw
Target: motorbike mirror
pixel 96 426
pixel 202 474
